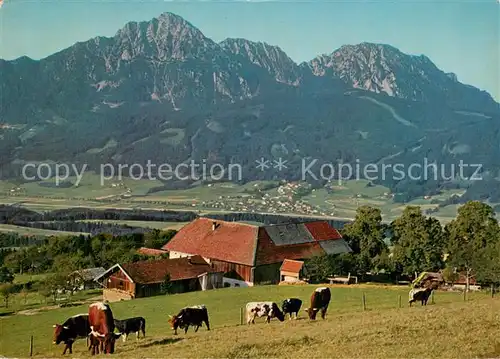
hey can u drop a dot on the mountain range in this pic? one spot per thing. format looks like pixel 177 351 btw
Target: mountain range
pixel 162 91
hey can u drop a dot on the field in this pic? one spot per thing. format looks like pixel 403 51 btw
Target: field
pixel 340 202
pixel 27 231
pixel 448 328
pixel 145 224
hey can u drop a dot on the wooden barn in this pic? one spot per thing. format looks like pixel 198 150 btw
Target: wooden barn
pixel 148 278
pixel 250 254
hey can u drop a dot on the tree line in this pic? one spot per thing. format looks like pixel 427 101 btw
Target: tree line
pixel 414 243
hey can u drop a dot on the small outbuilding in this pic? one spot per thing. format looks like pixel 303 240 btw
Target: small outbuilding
pixel 83 279
pixel 291 270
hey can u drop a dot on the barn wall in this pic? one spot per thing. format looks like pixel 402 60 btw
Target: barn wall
pixel 174 254
pixel 233 271
pixel 268 274
pixel 118 280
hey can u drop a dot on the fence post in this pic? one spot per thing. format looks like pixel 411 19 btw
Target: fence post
pixel 465 295
pixel 364 301
pixel 399 301
pixel 31 346
pixel 241 316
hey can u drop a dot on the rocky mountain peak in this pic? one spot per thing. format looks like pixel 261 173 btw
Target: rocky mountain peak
pixel 382 68
pixel 167 37
pixel 269 57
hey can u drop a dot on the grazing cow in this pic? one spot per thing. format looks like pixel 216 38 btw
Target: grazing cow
pixel 102 328
pixel 320 299
pixel 73 328
pixel 263 309
pixel 131 325
pixel 419 294
pixel 187 316
pixel 290 306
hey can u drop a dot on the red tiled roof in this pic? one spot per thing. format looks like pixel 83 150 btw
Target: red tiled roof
pixel 230 242
pixel 151 251
pixel 251 245
pixel 269 253
pixel 291 266
pixel 154 271
pixel 321 231
pixel 462 279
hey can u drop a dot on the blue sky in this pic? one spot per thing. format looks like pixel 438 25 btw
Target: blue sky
pixel 459 36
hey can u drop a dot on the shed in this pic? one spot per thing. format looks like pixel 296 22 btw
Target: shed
pixel 84 278
pixel 290 270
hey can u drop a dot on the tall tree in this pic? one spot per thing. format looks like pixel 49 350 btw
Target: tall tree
pixel 418 242
pixel 474 229
pixel 5 275
pixel 365 236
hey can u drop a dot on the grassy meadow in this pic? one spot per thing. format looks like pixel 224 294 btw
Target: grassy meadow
pixel 447 328
pixel 341 202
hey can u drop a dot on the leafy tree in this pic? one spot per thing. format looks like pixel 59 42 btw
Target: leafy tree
pixel 24 293
pixel 365 236
pixel 55 284
pixel 166 285
pixel 157 238
pixel 6 291
pixel 450 275
pixel 418 242
pixel 318 268
pixel 474 229
pixel 5 275
pixel 487 269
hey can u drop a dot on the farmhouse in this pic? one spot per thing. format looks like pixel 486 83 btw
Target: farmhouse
pixel 84 278
pixel 152 277
pixel 250 254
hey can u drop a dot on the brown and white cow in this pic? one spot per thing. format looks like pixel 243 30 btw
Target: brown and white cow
pixel 102 328
pixel 320 299
pixel 263 309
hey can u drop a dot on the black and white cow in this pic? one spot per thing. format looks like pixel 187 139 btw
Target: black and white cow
pixel 263 309
pixel 131 325
pixel 290 306
pixel 320 299
pixel 195 316
pixel 73 328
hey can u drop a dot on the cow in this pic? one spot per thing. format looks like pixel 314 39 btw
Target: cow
pixel 131 325
pixel 73 328
pixel 195 316
pixel 320 299
pixel 263 309
pixel 419 294
pixel 290 306
pixel 102 328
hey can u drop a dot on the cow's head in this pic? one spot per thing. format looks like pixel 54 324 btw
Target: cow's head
pixel 285 306
pixel 311 312
pixel 60 333
pixel 175 322
pixel 276 312
pixel 108 340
